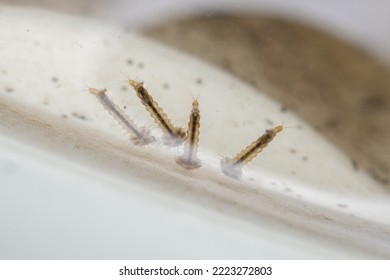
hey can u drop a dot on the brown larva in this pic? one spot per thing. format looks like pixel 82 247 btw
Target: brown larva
pixel 232 166
pixel 173 136
pixel 189 159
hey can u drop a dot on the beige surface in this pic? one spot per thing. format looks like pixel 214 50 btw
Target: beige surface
pixel 82 7
pixel 341 91
pixel 363 224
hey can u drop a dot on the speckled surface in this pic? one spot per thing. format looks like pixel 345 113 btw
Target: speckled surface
pixel 343 92
pixel 51 109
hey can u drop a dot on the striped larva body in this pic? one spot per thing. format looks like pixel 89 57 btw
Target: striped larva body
pixel 139 136
pixel 173 136
pixel 189 159
pixel 232 166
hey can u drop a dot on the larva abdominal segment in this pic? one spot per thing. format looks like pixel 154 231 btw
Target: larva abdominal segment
pixel 232 167
pixel 189 159
pixel 173 136
pixel 139 136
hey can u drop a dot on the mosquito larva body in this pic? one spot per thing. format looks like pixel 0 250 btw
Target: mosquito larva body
pixel 232 167
pixel 189 159
pixel 139 136
pixel 173 136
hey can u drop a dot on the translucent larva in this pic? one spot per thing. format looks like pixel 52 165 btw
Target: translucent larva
pixel 139 136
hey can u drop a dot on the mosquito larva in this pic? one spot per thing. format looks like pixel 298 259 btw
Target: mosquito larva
pixel 139 136
pixel 173 136
pixel 232 166
pixel 189 159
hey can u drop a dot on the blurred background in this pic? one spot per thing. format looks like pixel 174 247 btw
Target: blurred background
pixel 328 61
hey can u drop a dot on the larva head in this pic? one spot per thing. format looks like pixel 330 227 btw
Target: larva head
pixel 272 132
pixel 278 129
pixel 136 85
pixel 195 104
pixel 195 108
pixel 97 92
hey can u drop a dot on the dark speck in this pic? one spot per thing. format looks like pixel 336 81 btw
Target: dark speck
pixel 125 107
pixel 166 86
pixel 64 116
pixel 54 79
pixel 354 164
pixel 304 158
pixel 327 218
pixel 378 177
pixel 79 116
pixel 226 63
pixel 331 123
pixel 130 61
pixel 199 81
pixel 283 108
pixel 252 82
pixel 9 89
pixel 140 65
pixel 342 205
pixel 376 102
pixel 293 151
pixel 123 88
